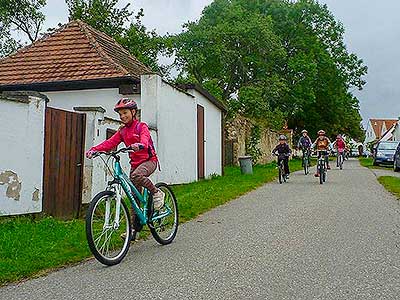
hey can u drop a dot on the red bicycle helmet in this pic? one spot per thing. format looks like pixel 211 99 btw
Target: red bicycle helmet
pixel 321 132
pixel 125 103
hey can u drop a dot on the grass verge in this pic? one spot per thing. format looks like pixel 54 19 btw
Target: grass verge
pixel 368 163
pixel 392 184
pixel 30 247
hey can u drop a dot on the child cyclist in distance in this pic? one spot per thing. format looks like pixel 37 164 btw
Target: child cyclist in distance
pixel 143 159
pixel 283 151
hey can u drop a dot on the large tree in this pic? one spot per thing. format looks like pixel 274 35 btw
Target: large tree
pixel 238 52
pixel 276 56
pixel 104 15
pixel 22 16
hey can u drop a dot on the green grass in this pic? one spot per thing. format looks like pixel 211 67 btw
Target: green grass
pixel 368 162
pixel 392 184
pixel 30 247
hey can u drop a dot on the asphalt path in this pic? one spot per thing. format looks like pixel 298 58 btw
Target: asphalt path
pixel 299 240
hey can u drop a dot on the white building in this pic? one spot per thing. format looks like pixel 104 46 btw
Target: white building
pixel 83 73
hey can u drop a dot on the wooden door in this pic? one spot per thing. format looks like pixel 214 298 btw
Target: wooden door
pixel 63 162
pixel 200 142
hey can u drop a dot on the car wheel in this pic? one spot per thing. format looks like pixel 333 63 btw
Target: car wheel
pixel 396 168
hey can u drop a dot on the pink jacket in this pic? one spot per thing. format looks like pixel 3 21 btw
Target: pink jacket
pixel 340 145
pixel 135 132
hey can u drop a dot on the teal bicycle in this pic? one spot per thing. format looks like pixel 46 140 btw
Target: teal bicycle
pixel 108 223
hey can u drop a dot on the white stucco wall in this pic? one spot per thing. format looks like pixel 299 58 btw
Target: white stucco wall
pixel 105 98
pixel 21 156
pixel 369 134
pixel 173 113
pixel 212 135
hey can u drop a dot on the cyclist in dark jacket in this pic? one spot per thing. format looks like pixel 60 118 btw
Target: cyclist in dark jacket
pixel 305 144
pixel 283 151
pixel 305 141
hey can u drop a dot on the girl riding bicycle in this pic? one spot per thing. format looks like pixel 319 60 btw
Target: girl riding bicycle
pixel 322 144
pixel 339 144
pixel 283 151
pixel 143 158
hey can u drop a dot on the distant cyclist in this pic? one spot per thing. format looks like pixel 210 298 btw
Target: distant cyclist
pixel 340 146
pixel 305 144
pixel 322 145
pixel 283 151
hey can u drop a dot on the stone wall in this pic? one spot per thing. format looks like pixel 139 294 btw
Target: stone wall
pixel 238 133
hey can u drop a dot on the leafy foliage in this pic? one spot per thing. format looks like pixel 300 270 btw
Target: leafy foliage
pixel 252 145
pixel 19 15
pixel 104 15
pixel 276 61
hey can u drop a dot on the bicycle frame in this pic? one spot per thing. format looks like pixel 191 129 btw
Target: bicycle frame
pixel 306 154
pixel 120 178
pixel 323 158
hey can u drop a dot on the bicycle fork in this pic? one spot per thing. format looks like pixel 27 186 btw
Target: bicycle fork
pixel 115 224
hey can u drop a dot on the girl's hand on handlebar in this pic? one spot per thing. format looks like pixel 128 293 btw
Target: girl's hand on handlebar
pixel 90 154
pixel 136 146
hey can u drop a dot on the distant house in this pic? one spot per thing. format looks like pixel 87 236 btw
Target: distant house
pixel 81 73
pixel 376 129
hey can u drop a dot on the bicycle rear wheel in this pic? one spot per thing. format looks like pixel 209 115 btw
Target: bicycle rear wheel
pixel 108 238
pixel 163 224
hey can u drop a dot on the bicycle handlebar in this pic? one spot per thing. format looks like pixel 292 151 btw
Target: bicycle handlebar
pixel 277 154
pixel 114 153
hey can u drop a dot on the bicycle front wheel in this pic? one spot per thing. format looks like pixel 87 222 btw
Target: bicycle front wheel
pixel 163 224
pixel 108 237
pixel 321 173
pixel 305 166
pixel 280 175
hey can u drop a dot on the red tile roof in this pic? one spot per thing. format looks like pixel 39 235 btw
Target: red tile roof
pixel 76 51
pixel 377 125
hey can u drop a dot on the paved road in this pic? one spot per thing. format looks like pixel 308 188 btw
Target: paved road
pixel 299 240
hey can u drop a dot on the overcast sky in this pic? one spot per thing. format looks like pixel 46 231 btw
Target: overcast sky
pixel 372 32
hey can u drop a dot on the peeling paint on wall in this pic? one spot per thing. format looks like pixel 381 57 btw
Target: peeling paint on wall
pixel 10 179
pixel 35 195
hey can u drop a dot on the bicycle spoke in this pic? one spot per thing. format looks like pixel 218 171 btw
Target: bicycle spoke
pixel 97 240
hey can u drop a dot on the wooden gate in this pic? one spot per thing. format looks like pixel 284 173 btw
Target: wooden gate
pixel 200 142
pixel 63 162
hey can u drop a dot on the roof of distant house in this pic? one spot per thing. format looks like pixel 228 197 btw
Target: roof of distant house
pixel 377 125
pixel 74 52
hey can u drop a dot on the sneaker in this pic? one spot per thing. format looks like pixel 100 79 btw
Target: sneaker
pixel 133 235
pixel 329 167
pixel 287 176
pixel 316 175
pixel 158 200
